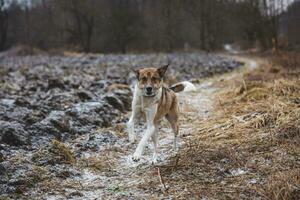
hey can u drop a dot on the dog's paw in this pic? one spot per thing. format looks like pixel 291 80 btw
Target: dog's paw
pixel 136 157
pixel 175 153
pixel 154 161
pixel 131 140
pixel 175 150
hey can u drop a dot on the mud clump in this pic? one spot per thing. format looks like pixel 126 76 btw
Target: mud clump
pixel 12 133
pixel 89 115
pixel 95 141
pixel 119 99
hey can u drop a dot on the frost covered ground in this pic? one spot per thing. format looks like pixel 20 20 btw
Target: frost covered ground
pixel 62 123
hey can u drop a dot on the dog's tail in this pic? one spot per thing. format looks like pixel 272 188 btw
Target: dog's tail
pixel 185 86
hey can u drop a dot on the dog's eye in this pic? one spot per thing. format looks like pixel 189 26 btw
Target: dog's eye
pixel 155 79
pixel 144 79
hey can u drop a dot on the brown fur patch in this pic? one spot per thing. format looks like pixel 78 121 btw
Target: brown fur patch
pixel 177 87
pixel 167 106
pixel 149 76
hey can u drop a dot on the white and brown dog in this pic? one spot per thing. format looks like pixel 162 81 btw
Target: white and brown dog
pixel 155 101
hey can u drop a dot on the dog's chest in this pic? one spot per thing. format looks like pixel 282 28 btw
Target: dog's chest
pixel 145 104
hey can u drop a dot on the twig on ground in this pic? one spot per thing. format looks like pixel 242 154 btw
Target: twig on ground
pixel 161 179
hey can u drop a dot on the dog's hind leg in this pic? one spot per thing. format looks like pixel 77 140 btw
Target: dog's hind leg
pixel 173 120
pixel 175 141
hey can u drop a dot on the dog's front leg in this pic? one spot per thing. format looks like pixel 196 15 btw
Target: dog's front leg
pixel 136 109
pixel 130 126
pixel 155 143
pixel 142 144
pixel 151 128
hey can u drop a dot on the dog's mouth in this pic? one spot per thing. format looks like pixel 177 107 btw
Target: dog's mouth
pixel 149 94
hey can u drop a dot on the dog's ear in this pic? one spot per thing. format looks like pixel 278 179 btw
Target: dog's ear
pixel 162 70
pixel 137 73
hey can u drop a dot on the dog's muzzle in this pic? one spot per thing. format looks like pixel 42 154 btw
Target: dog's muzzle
pixel 148 92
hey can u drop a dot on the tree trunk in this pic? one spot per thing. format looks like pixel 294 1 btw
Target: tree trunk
pixel 3 25
pixel 89 22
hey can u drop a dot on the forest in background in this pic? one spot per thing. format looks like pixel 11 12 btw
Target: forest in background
pixel 114 26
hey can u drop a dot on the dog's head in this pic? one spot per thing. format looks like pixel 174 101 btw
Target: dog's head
pixel 150 80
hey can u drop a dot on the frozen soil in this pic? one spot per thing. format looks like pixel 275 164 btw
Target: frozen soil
pixel 112 174
pixel 63 130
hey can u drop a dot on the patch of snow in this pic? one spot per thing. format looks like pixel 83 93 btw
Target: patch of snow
pixel 253 181
pixel 238 171
pixel 228 47
pixel 252 64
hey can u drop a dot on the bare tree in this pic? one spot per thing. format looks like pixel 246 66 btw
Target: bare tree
pixel 81 30
pixel 197 9
pixel 141 25
pixel 124 24
pixel 3 25
pixel 170 13
pixel 206 19
pixel 272 10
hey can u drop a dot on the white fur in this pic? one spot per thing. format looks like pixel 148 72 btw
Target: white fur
pixel 149 107
pixel 188 86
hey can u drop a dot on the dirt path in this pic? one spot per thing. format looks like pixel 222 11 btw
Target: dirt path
pixel 131 177
pixel 112 174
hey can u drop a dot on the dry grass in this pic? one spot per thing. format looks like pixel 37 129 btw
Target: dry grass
pixel 289 60
pixel 100 163
pixel 61 153
pixel 56 153
pixel 249 146
pixel 282 185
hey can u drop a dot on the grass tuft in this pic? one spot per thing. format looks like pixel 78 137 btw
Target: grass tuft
pixel 61 153
pixel 55 153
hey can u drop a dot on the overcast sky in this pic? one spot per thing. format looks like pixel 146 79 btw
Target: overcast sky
pixel 29 2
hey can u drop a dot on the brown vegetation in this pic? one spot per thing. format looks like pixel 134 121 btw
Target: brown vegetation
pixel 249 146
pixel 57 152
pixel 61 153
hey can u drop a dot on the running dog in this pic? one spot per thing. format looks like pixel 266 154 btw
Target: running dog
pixel 155 101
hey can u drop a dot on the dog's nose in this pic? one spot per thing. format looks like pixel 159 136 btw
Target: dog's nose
pixel 149 89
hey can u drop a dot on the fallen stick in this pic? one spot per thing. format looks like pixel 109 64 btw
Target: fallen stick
pixel 161 179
